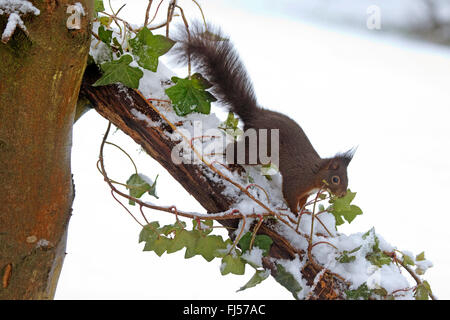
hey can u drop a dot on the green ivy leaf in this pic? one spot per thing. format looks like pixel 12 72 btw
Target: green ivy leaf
pixel 208 247
pixel 152 190
pixel 407 260
pixel 287 280
pixel 191 249
pixel 149 232
pixel 106 21
pixel 230 126
pixel 105 35
pixel 206 226
pixel 262 241
pixel 177 226
pixel 341 208
pixel 183 238
pixel 120 71
pixel 258 277
pixel 420 256
pixel 159 245
pixel 189 95
pixel 98 6
pixel 233 265
pixel 378 258
pixel 345 257
pixel 117 45
pixel 148 48
pixel 362 292
pixel 423 291
pixel 137 187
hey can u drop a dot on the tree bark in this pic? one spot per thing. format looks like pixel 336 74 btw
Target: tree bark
pixel 40 76
pixel 115 103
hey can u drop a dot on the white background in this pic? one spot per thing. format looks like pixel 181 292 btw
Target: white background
pixel 346 87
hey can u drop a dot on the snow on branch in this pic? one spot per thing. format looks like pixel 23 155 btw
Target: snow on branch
pixel 14 9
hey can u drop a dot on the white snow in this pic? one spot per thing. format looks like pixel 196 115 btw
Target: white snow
pixel 14 8
pixel 253 256
pixel 17 6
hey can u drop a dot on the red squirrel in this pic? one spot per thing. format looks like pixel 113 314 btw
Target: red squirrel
pixel 302 169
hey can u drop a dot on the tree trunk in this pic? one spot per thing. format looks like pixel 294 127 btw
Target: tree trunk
pixel 40 76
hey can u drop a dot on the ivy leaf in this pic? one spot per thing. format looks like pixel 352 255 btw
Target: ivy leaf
pixel 258 277
pixel 231 122
pixel 205 226
pixel 230 126
pixel 362 292
pixel 407 260
pixel 378 258
pixel 207 247
pixel 177 226
pixel 159 246
pixel 346 258
pixel 191 249
pixel 183 238
pixel 120 71
pixel 149 232
pixel 287 280
pixel 341 208
pixel 262 241
pixel 152 190
pixel 189 95
pixel 106 21
pixel 137 187
pixel 232 265
pixel 105 35
pixel 423 291
pixel 199 81
pixel 98 6
pixel 148 48
pixel 117 45
pixel 420 256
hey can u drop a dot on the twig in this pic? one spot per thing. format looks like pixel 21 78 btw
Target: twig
pixel 189 39
pixel 170 11
pixel 156 12
pixel 147 12
pixel 203 16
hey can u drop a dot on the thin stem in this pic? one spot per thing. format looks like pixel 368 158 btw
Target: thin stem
pixel 170 11
pixel 203 16
pixel 129 157
pixel 189 38
pixel 156 12
pixel 235 242
pixel 147 11
pixel 255 231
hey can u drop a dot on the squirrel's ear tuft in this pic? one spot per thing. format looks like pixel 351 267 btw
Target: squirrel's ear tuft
pixel 347 156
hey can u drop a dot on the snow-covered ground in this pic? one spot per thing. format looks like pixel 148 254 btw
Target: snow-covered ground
pixel 387 95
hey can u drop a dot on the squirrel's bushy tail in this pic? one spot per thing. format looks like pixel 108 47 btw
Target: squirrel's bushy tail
pixel 216 59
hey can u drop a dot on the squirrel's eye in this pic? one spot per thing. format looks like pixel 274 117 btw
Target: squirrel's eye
pixel 335 179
